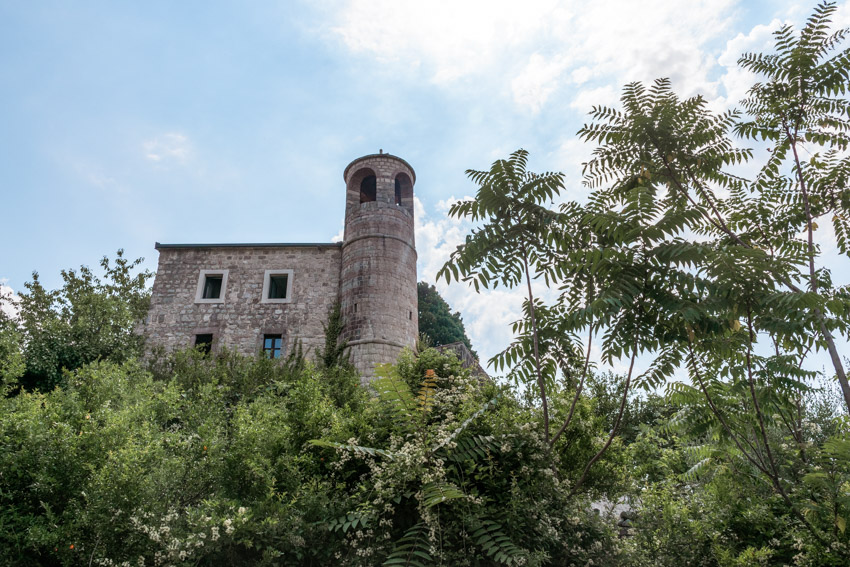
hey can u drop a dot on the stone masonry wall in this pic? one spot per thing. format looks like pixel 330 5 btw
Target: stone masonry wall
pixel 241 320
pixel 378 280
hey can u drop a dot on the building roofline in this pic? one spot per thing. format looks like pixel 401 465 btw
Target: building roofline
pixel 381 155
pixel 159 246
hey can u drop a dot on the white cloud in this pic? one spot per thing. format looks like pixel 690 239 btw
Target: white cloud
pixel 436 238
pixel 586 99
pixel 568 158
pixel 449 39
pixel 171 147
pixel 538 81
pixel 487 316
pixel 6 293
pixel 581 75
pixel 96 176
pixel 539 46
pixel 841 19
pixel 737 81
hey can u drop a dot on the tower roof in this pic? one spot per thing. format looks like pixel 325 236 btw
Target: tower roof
pixel 380 155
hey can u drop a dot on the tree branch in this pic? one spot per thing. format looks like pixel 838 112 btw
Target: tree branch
pixel 614 429
pixel 540 383
pixel 578 389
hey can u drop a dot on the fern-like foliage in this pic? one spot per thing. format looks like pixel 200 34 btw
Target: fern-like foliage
pixel 412 550
pixel 427 390
pixel 437 492
pixel 395 395
pixel 349 521
pixel 511 200
pixel 474 447
pixel 497 546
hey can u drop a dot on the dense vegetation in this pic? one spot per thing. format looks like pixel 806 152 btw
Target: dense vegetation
pixel 680 259
pixel 437 324
pixel 717 280
pixel 89 318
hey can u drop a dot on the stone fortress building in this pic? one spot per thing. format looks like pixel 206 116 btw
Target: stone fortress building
pixel 263 297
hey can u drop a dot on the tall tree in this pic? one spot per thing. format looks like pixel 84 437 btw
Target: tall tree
pixel 677 258
pixel 436 319
pixel 89 318
pixel 511 247
pixel 801 109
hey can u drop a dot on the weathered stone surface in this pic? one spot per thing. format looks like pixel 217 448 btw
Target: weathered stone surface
pixel 378 280
pixel 372 272
pixel 241 320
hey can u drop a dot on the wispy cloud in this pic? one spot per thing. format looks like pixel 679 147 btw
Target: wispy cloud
pixel 447 40
pixel 171 147
pixel 737 81
pixel 540 46
pixel 537 81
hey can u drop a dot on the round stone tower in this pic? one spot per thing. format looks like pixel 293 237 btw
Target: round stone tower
pixel 378 279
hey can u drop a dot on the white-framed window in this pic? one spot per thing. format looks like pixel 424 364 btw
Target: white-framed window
pixel 277 286
pixel 212 286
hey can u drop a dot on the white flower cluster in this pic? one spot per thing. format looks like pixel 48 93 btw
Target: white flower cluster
pixel 178 537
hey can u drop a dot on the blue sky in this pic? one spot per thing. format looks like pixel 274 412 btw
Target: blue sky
pixel 122 124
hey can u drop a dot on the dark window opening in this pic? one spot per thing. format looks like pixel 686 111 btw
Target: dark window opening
pixel 410 315
pixel 277 286
pixel 212 287
pixel 203 342
pixel 403 190
pixel 397 191
pixel 271 346
pixel 368 189
pixel 355 308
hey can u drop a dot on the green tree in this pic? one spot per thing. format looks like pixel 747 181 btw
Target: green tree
pixel 87 319
pixel 436 319
pixel 12 364
pixel 735 271
pixel 801 107
pixel 679 259
pixel 510 248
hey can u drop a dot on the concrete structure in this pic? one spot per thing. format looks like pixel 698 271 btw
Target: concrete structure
pixel 262 297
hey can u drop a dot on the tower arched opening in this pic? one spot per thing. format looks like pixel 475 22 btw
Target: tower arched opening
pixel 369 189
pixel 363 185
pixel 403 190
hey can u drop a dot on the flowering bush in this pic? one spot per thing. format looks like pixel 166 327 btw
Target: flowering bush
pixel 208 462
pixel 463 477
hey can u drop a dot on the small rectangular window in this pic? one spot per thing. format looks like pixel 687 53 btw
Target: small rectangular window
pixel 271 346
pixel 212 287
pixel 203 342
pixel 277 286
